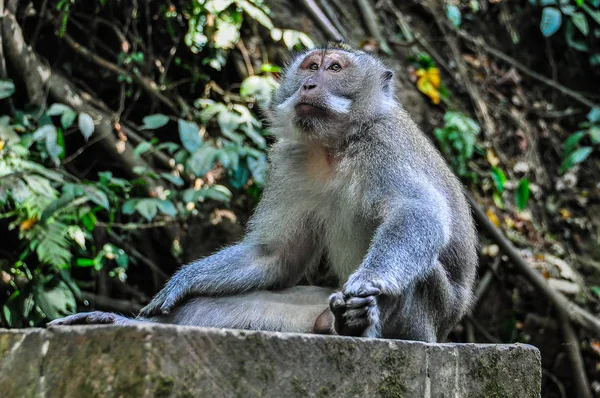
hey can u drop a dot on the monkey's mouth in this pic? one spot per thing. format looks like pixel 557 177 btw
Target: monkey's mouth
pixel 305 109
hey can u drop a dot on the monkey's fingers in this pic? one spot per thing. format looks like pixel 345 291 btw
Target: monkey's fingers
pixel 361 302
pixel 337 303
pixel 161 304
pixel 85 318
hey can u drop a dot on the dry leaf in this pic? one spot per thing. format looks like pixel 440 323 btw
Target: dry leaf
pixel 429 83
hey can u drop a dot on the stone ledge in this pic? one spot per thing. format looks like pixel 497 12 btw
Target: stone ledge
pixel 178 361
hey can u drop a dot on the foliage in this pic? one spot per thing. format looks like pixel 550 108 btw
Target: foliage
pixel 457 139
pixel 573 153
pixel 56 213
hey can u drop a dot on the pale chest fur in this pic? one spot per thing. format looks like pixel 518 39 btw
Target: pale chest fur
pixel 336 194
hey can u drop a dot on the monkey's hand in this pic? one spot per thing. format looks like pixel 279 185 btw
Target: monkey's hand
pixel 91 318
pixel 355 309
pixel 165 300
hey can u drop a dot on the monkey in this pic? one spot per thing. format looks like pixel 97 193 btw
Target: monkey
pixel 353 184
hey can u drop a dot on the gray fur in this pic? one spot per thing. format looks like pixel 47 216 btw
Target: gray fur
pixel 290 310
pixel 389 217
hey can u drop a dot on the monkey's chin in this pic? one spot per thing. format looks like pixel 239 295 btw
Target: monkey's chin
pixel 309 124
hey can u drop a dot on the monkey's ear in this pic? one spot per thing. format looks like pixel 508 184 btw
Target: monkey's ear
pixel 388 82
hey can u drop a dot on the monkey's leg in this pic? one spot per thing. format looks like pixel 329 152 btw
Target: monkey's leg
pixel 404 250
pixel 301 309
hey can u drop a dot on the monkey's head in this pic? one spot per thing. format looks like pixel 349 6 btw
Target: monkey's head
pixel 324 89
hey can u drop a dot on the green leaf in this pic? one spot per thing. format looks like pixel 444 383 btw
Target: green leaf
pixel 147 208
pixel 155 121
pixel 572 142
pixel 202 160
pixel 86 125
pixel 259 87
pixel 172 178
pixel 56 301
pixel 499 178
pixel 258 167
pixel 594 115
pixel 572 41
pixel 453 14
pixel 594 132
pixel 269 68
pixel 169 146
pixel 7 88
pixel 97 196
pixel 142 148
pixel 167 207
pixel 256 13
pixel 67 119
pixel 85 262
pixel 89 221
pixel 129 206
pixel 576 157
pixel 594 14
pixel 551 21
pixel 580 22
pixel 40 185
pixel 57 205
pixel 238 176
pixel 228 122
pixel 57 109
pixel 522 194
pixel 49 134
pixel 218 192
pixel 189 134
pixel 7 315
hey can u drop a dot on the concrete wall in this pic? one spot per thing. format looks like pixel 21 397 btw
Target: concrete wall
pixel 176 361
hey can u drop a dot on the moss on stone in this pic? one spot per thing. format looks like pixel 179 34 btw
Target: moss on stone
pixel 298 387
pixel 163 386
pixel 392 385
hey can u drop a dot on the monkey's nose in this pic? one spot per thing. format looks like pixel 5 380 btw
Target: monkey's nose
pixel 308 86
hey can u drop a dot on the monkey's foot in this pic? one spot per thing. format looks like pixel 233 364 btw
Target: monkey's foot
pixel 91 318
pixel 356 314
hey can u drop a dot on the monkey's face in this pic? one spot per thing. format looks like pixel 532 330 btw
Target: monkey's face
pixel 323 90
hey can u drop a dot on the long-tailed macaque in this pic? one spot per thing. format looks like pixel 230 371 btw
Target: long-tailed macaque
pixel 353 185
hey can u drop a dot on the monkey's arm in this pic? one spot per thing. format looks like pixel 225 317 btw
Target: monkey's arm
pixel 249 265
pixel 404 250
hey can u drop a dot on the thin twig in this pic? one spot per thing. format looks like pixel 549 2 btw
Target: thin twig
pixel 486 280
pixel 322 20
pixel 40 23
pixel 574 354
pixel 151 264
pixel 333 17
pixel 373 24
pixel 244 51
pixel 556 381
pixel 148 85
pixel 131 226
pixel 111 304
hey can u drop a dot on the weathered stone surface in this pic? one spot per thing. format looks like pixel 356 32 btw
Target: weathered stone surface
pixel 176 361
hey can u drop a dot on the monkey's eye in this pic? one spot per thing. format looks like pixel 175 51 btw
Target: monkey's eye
pixel 335 67
pixel 313 66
